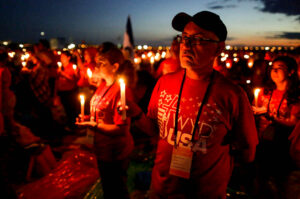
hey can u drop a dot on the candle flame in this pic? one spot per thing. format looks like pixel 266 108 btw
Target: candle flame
pixel 228 65
pixel 256 91
pixel 250 64
pixel 152 60
pixel 81 99
pixel 27 55
pixel 24 63
pixel 121 80
pixel 89 73
pixel 74 66
pixel 11 54
pixel 59 64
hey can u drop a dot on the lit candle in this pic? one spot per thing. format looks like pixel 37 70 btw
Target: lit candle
pixel 152 64
pixel 89 73
pixel 59 64
pixel 228 65
pixel 123 98
pixel 250 63
pixel 27 55
pixel 11 54
pixel 74 67
pixel 256 92
pixel 24 64
pixel 82 107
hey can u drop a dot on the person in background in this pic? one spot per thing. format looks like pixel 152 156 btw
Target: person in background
pixel 205 121
pixel 278 111
pixel 170 64
pixel 88 63
pixel 112 140
pixel 43 51
pixel 67 90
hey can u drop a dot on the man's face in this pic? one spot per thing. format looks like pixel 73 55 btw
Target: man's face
pixel 196 54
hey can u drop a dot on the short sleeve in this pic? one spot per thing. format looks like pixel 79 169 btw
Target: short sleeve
pixel 244 128
pixel 152 107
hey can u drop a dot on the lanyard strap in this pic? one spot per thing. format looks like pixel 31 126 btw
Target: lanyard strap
pixel 177 109
pixel 268 108
pixel 102 96
pixel 199 111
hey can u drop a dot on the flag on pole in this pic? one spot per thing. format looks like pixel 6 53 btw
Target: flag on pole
pixel 128 42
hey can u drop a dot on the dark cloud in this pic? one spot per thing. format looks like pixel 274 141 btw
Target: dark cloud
pixel 288 7
pixel 230 38
pixel 215 7
pixel 287 35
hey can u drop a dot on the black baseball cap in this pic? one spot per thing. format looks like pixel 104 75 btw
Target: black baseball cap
pixel 205 19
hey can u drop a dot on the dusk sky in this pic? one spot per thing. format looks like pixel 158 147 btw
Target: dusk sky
pixel 249 22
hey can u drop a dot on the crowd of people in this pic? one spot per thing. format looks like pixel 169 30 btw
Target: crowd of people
pixel 193 108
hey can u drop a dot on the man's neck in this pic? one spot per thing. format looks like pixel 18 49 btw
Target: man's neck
pixel 198 74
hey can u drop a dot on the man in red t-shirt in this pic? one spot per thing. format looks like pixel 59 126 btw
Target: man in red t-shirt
pixel 202 117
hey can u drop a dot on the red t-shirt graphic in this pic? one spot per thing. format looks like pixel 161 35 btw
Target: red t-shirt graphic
pixel 227 113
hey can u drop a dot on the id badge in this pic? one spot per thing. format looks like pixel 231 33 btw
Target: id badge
pixel 181 162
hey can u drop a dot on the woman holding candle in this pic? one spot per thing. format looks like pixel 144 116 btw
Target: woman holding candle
pixel 112 142
pixel 67 88
pixel 279 101
pixel 86 67
pixel 278 111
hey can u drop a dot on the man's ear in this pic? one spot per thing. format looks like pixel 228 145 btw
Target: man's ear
pixel 116 67
pixel 220 48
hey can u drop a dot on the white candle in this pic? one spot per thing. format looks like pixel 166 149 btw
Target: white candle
pixel 123 98
pixel 256 93
pixel 82 100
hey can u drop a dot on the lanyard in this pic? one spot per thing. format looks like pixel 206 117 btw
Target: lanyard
pixel 199 111
pixel 283 96
pixel 102 96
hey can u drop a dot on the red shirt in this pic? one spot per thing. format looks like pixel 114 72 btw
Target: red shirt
pixel 278 103
pixel 67 80
pixel 227 113
pixel 104 106
pixel 83 79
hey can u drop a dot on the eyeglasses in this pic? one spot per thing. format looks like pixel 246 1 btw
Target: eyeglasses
pixel 277 69
pixel 195 40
